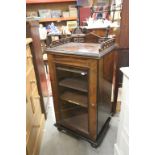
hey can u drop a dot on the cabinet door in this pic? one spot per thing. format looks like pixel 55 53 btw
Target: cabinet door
pixel 74 91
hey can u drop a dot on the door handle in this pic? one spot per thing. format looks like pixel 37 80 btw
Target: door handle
pixel 93 105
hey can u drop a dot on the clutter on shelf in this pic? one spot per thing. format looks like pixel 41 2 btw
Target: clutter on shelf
pixel 48 13
pixel 100 23
pixel 52 29
pixel 42 32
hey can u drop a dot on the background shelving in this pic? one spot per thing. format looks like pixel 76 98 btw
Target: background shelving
pixel 57 19
pixel 47 1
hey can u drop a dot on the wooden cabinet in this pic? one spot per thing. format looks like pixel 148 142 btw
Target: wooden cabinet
pixel 81 72
pixel 123 48
pixel 34 117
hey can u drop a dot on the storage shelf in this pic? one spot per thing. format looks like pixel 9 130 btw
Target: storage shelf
pixel 57 19
pixel 75 98
pixel 47 1
pixel 73 83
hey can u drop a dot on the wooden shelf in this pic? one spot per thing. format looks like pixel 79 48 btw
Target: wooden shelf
pixel 75 98
pixel 47 1
pixel 57 19
pixel 79 122
pixel 76 84
pixel 72 70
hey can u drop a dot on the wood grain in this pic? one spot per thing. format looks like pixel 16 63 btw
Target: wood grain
pixel 75 98
pixel 76 84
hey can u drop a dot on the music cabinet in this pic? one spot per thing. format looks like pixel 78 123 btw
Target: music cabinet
pixel 81 72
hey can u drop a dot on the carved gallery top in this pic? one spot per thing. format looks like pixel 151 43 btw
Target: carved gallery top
pixel 89 45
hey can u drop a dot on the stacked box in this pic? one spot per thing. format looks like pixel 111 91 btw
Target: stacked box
pixel 72 11
pixel 45 13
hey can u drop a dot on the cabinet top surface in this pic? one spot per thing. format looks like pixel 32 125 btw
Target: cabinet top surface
pixel 83 49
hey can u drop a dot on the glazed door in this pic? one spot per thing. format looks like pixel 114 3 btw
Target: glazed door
pixel 75 83
pixel 73 97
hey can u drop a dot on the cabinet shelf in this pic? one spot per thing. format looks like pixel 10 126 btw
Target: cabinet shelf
pixel 73 83
pixel 75 98
pixel 47 1
pixel 57 19
pixel 72 70
pixel 78 122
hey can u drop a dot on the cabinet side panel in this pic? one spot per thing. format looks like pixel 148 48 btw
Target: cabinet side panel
pixel 93 99
pixel 105 74
pixel 54 86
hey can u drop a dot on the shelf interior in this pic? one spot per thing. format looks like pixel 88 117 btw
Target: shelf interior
pixel 79 122
pixel 74 83
pixel 72 70
pixel 75 98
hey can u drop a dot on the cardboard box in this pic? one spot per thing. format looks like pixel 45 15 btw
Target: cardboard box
pixel 71 25
pixel 73 12
pixel 31 14
pixel 56 13
pixel 45 13
pixel 65 13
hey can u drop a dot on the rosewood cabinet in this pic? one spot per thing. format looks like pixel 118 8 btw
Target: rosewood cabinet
pixel 81 70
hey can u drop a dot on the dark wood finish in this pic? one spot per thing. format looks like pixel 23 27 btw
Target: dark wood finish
pixel 105 87
pixel 124 26
pixel 102 32
pixel 72 70
pixel 76 84
pixel 121 60
pixel 95 105
pixel 32 30
pixel 76 123
pixel 54 87
pixel 122 52
pixel 78 62
pixel 75 98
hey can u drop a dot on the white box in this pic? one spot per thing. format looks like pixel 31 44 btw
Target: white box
pixel 73 12
pixel 65 14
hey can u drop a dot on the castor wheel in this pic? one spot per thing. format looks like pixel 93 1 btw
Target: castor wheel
pixel 94 145
pixel 59 129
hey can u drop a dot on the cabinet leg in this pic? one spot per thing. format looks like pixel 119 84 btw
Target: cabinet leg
pixel 59 129
pixel 94 145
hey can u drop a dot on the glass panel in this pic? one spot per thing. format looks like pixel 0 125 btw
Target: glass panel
pixel 73 97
